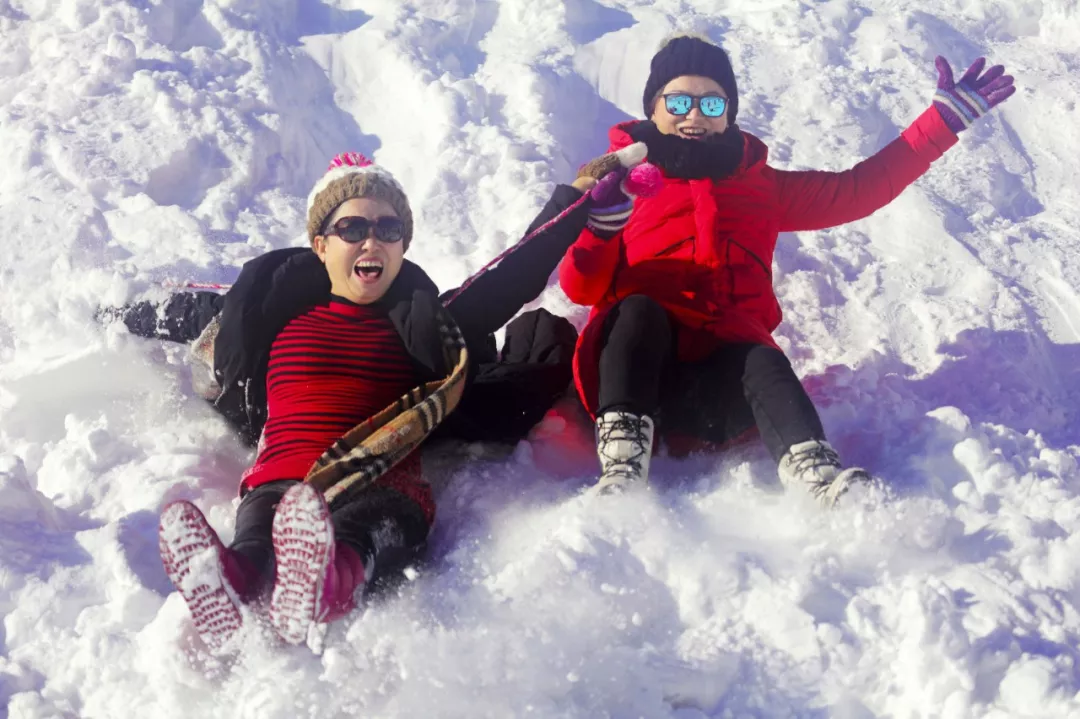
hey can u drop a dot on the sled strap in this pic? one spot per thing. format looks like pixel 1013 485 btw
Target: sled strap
pixel 515 247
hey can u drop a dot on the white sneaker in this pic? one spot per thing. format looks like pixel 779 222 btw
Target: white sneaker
pixel 816 466
pixel 624 443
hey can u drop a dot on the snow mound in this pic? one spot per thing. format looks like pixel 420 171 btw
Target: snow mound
pixel 156 141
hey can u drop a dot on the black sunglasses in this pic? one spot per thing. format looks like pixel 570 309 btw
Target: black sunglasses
pixel 681 103
pixel 355 229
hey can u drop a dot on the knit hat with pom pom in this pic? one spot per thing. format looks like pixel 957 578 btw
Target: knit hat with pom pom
pixel 349 176
pixel 691 55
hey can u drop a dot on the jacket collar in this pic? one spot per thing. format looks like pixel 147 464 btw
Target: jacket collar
pixel 755 153
pixel 717 158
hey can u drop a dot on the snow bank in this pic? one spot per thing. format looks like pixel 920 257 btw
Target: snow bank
pixel 162 140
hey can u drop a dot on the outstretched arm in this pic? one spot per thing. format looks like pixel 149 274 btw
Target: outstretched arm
pixel 489 300
pixel 815 200
pixel 494 297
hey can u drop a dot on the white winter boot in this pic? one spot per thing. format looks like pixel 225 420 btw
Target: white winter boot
pixel 624 442
pixel 816 466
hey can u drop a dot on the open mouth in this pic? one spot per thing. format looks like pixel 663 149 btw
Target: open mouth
pixel 368 270
pixel 695 133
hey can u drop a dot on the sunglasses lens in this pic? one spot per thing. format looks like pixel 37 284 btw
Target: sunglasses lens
pixel 678 104
pixel 352 229
pixel 356 229
pixel 713 106
pixel 389 229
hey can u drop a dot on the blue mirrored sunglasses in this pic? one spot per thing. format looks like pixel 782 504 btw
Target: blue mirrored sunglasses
pixel 681 103
pixel 355 229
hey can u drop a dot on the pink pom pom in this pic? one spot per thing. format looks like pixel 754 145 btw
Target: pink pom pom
pixel 644 180
pixel 352 159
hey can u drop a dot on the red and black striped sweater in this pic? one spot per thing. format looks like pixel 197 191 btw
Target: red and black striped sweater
pixel 331 369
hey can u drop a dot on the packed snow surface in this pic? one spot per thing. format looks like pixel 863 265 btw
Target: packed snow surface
pixel 149 142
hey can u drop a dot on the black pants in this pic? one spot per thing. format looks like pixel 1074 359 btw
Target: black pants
pixel 717 400
pixel 511 392
pixel 383 526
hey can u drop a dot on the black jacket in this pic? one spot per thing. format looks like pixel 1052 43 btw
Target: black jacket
pixel 275 288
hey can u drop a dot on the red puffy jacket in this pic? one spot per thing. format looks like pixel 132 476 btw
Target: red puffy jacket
pixel 704 248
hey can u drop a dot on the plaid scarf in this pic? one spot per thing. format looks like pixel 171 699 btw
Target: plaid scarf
pixel 372 448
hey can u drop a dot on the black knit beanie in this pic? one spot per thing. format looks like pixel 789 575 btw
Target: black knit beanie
pixel 689 55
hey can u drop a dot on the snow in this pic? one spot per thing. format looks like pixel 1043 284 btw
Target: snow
pixel 155 141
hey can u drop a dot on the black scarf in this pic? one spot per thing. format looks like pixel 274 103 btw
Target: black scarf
pixel 715 157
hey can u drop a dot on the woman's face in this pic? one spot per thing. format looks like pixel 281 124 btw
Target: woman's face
pixel 694 125
pixel 361 271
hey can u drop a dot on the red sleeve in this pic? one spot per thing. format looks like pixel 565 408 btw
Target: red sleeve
pixel 813 200
pixel 588 268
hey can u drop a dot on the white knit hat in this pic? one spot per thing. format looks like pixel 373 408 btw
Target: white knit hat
pixel 352 175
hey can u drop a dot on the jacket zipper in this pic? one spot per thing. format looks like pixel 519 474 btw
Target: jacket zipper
pixel 668 250
pixel 768 271
pixel 730 271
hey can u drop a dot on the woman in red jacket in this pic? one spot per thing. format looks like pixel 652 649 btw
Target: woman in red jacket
pixel 680 283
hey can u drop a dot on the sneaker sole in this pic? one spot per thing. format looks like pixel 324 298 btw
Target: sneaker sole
pixel 303 542
pixel 191 553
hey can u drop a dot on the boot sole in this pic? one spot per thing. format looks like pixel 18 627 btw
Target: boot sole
pixel 192 555
pixel 614 487
pixel 858 479
pixel 845 481
pixel 303 543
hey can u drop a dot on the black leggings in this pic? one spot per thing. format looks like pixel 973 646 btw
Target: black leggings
pixel 510 392
pixel 717 400
pixel 381 525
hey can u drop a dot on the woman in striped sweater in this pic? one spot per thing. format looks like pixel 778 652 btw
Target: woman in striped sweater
pixel 310 345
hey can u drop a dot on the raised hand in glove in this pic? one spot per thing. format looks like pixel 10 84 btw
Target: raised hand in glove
pixel 972 96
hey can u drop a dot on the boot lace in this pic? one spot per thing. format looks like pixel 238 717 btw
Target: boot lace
pixel 805 463
pixel 626 428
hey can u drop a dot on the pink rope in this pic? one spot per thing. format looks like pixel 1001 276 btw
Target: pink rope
pixel 532 235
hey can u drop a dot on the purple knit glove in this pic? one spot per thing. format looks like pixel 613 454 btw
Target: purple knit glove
pixel 620 176
pixel 611 206
pixel 961 103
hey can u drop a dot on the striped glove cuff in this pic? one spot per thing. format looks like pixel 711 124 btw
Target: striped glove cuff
pixel 960 107
pixel 606 222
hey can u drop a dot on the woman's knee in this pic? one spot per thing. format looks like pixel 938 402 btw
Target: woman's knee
pixel 768 357
pixel 640 314
pixel 643 306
